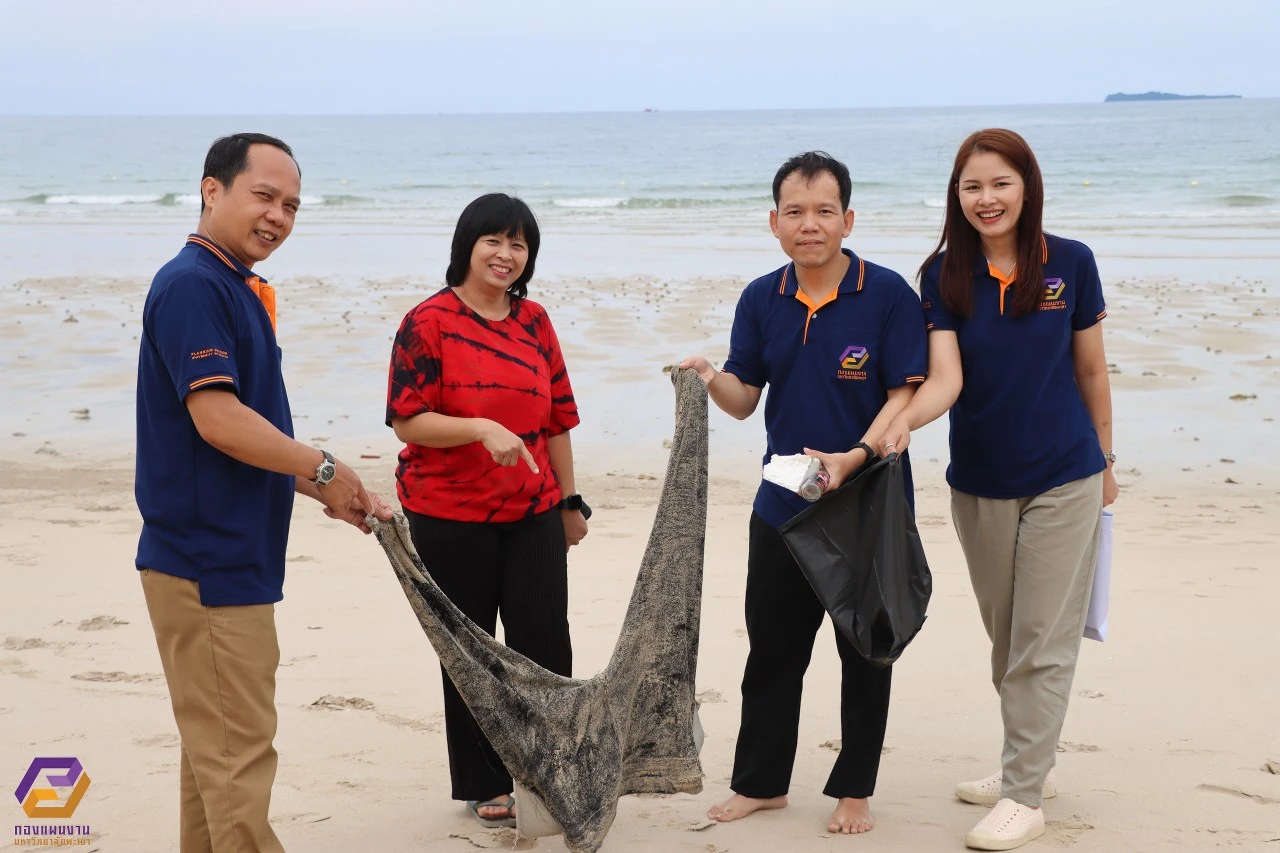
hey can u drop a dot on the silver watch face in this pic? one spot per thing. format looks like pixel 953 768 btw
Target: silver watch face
pixel 326 472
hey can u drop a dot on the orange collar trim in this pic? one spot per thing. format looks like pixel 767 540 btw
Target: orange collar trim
pixel 786 272
pixel 1006 280
pixel 803 298
pixel 266 293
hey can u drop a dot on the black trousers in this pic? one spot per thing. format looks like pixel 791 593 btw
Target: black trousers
pixel 519 570
pixel 783 616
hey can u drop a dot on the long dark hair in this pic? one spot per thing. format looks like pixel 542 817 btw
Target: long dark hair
pixel 962 244
pixel 495 213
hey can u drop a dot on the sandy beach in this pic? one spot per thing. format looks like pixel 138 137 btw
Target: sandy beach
pixel 1171 722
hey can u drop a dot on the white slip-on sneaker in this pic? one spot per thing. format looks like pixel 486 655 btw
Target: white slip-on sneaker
pixel 986 792
pixel 1006 826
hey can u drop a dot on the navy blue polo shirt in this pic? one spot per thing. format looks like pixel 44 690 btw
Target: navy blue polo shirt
pixel 1020 426
pixel 828 367
pixel 205 516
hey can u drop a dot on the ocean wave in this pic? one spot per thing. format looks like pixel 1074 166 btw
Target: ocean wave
pixel 410 185
pixel 96 199
pixel 1255 212
pixel 339 200
pixel 754 187
pixel 649 203
pixel 590 202
pixel 165 199
pixel 1246 200
pixel 679 203
pixel 941 203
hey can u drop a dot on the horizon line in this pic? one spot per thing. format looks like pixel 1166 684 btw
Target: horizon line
pixel 630 111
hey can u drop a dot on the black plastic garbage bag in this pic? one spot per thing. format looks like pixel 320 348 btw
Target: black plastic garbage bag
pixel 860 549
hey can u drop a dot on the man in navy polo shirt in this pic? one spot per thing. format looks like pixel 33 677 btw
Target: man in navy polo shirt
pixel 841 344
pixel 217 469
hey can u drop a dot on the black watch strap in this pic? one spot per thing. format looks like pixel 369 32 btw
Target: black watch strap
pixel 329 466
pixel 871 454
pixel 572 502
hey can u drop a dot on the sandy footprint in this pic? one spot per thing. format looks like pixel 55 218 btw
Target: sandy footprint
pixel 410 723
pixel 100 623
pixel 1068 746
pixel 343 703
pixel 16 666
pixel 118 677
pixel 496 839
pixel 1066 832
pixel 21 644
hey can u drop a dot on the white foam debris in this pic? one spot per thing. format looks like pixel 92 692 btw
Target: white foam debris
pixel 790 472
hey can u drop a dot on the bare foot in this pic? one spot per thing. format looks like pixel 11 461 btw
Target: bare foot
pixel 851 817
pixel 739 806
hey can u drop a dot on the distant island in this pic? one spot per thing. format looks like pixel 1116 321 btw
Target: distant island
pixel 1162 96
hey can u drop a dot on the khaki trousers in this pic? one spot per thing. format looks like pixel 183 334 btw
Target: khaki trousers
pixel 220 663
pixel 1031 562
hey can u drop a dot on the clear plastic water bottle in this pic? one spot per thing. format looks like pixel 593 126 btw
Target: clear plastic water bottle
pixel 815 485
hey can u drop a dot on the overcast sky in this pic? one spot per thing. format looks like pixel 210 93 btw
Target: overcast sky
pixel 163 57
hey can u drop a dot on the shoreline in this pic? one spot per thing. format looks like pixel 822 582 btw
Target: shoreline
pixel 1195 369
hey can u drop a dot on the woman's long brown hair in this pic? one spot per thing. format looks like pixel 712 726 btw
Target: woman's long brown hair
pixel 960 239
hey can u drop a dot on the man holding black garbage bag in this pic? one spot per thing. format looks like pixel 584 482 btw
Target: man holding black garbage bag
pixel 842 344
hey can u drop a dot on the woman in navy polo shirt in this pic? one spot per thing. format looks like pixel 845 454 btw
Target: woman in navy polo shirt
pixel 479 394
pixel 1017 311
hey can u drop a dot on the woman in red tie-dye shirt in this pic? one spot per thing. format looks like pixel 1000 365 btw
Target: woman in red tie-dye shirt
pixel 479 394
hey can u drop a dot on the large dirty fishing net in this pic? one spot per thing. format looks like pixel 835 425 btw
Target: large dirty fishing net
pixel 578 745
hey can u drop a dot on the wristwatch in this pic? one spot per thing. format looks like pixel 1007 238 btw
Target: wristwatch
pixel 866 448
pixel 1110 456
pixel 573 502
pixel 326 470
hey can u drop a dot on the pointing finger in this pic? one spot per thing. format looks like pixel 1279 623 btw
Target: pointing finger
pixel 528 458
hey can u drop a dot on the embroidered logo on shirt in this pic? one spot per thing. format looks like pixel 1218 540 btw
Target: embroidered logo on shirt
pixel 852 362
pixel 1053 290
pixel 212 352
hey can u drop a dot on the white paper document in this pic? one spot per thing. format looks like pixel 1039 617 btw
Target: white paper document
pixel 1095 624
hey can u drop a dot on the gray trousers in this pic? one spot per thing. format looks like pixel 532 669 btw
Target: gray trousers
pixel 1031 562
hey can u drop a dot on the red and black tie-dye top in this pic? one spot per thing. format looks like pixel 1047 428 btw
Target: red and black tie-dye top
pixel 448 359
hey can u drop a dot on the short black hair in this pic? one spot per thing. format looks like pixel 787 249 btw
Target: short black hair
pixel 494 213
pixel 229 156
pixel 810 165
